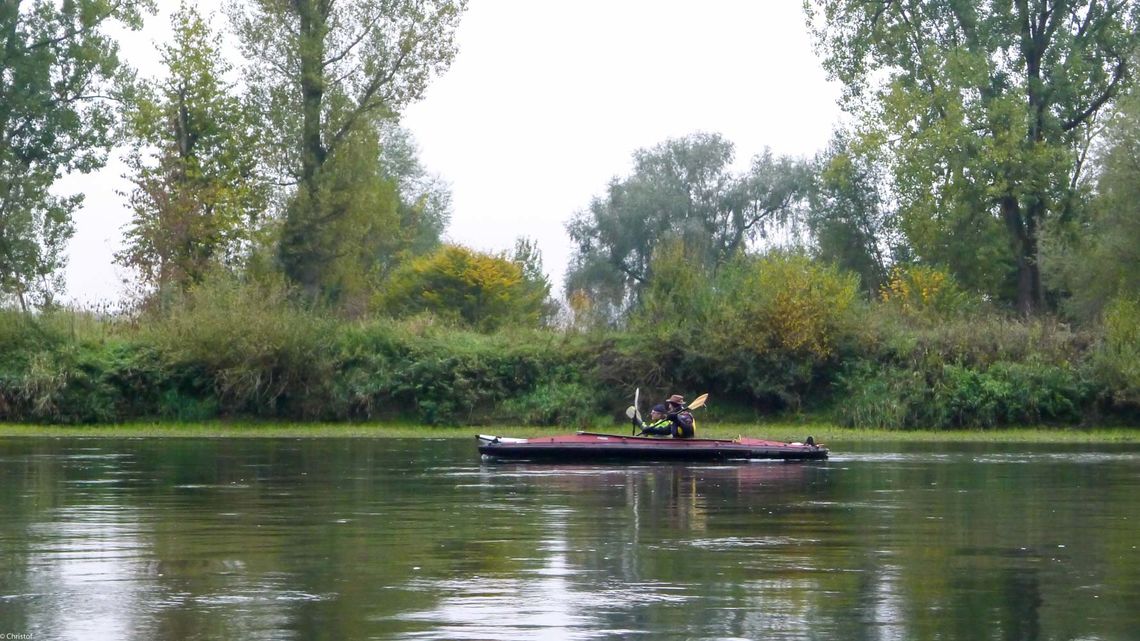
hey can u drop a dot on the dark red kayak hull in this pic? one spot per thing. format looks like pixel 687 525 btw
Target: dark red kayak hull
pixel 590 446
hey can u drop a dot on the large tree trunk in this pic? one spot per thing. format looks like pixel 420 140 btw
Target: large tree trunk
pixel 312 52
pixel 301 263
pixel 1022 226
pixel 1023 221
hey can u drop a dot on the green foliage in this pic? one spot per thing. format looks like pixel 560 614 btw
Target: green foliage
pixel 778 321
pixel 956 396
pixel 424 199
pixel 684 190
pixel 921 292
pixel 57 67
pixel 981 109
pixel 479 290
pixel 1097 258
pixel 769 334
pixel 554 403
pixel 68 367
pixel 196 196
pixel 763 330
pixel 848 218
pixel 1117 357
pixel 967 370
pixel 248 346
pixel 439 375
pixel 680 295
pixel 528 257
pixel 351 65
pixel 784 301
pixel 334 236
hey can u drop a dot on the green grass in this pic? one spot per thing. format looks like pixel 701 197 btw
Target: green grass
pixel 782 431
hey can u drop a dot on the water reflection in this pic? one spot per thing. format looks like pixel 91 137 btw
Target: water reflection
pixel 78 553
pixel 614 569
pixel 282 539
pixel 543 602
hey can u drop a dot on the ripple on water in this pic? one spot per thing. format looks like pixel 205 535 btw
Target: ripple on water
pixel 736 543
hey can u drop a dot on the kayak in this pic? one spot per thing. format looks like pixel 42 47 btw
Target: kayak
pixel 592 446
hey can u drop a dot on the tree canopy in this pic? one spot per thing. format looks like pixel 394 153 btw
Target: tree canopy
pixel 1097 258
pixel 197 197
pixel 58 67
pixel 322 72
pixel 981 107
pixel 682 189
pixel 851 222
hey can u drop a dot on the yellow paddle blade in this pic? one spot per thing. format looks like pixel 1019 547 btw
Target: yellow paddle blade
pixel 699 401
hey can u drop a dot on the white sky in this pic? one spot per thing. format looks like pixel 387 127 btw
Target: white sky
pixel 546 102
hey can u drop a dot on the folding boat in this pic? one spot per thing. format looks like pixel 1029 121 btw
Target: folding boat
pixel 592 446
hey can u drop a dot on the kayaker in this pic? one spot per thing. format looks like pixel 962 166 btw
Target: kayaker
pixel 681 418
pixel 658 425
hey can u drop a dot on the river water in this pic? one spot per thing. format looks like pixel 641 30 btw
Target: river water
pixel 341 539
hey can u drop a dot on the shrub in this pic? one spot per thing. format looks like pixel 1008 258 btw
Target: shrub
pixel 785 301
pixel 921 291
pixel 554 403
pixel 881 397
pixel 446 376
pixel 246 344
pixel 1116 359
pixel 483 291
pixel 977 340
pixel 958 396
pixel 778 326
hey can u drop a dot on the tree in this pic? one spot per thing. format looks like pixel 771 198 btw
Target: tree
pixel 57 71
pixel 1098 257
pixel 424 206
pixel 681 189
pixel 197 196
pixel 981 108
pixel 357 226
pixel 480 290
pixel 322 71
pixel 849 217
pixel 528 257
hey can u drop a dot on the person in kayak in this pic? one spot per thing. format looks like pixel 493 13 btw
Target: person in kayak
pixel 658 425
pixel 670 418
pixel 681 418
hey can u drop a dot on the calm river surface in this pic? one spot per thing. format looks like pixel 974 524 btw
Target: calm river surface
pixel 341 539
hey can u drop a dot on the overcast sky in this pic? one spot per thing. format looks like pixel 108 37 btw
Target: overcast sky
pixel 546 102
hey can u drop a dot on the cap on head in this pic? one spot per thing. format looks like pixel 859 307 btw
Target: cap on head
pixel 659 408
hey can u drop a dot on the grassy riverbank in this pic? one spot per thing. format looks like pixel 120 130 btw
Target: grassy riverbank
pixel 784 431
pixel 235 355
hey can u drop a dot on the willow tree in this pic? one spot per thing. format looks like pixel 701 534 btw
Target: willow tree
pixel 323 71
pixel 681 191
pixel 982 109
pixel 58 67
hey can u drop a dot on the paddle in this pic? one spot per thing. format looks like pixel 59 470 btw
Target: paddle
pixel 634 410
pixel 698 402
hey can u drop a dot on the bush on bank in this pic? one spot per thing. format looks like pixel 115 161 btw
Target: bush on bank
pixel 246 351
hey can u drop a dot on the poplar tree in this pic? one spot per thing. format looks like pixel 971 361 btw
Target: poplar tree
pixel 323 73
